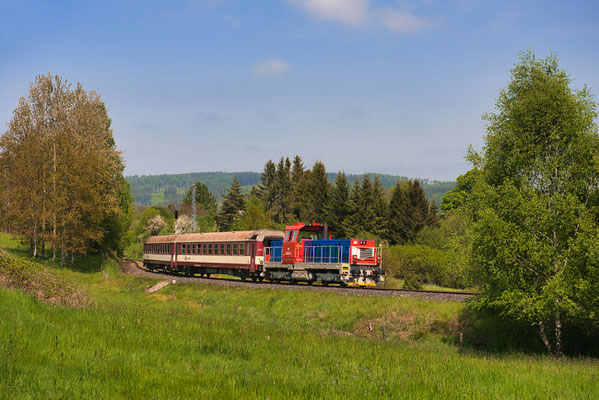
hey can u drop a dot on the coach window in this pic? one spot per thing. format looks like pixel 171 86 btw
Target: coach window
pixel 221 249
pixel 242 249
pixel 234 249
pixel 228 249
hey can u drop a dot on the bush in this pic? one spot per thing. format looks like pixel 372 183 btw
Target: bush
pixel 417 264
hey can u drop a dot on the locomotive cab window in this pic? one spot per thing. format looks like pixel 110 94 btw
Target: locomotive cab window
pixel 242 249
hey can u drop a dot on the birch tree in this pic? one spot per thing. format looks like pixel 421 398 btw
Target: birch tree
pixel 536 200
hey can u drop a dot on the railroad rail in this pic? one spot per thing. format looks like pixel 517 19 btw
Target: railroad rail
pixel 135 267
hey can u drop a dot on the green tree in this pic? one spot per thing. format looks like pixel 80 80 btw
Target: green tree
pixel 283 188
pixel 255 216
pixel 63 169
pixel 266 188
pixel 397 225
pixel 205 200
pixel 232 207
pixel 536 233
pixel 459 195
pixel 380 205
pixel 318 192
pixel 340 206
pixel 298 194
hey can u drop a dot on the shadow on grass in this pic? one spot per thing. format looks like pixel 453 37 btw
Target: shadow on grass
pixel 489 332
pixel 20 248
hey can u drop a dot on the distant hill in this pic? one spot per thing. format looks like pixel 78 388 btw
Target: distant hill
pixel 165 189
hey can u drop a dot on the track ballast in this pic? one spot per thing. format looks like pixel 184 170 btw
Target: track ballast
pixel 135 267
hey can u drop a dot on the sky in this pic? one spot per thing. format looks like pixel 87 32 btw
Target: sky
pixel 384 86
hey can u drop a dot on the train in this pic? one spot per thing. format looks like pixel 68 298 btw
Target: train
pixel 303 253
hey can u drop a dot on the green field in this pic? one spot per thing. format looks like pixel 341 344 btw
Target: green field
pixel 124 343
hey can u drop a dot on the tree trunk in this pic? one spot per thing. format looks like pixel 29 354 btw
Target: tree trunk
pixel 54 251
pixel 62 255
pixel 72 257
pixel 544 337
pixel 558 334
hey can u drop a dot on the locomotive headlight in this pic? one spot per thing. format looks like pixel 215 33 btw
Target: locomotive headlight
pixel 354 259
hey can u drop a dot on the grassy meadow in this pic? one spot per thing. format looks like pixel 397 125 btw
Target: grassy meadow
pixel 206 341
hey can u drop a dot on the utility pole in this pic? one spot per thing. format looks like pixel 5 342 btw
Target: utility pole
pixel 193 208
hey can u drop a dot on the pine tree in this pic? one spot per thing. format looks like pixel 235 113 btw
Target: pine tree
pixel 266 188
pixel 282 190
pixel 432 218
pixel 298 194
pixel 340 206
pixel 232 207
pixel 317 194
pixel 396 222
pixel 380 207
pixel 354 222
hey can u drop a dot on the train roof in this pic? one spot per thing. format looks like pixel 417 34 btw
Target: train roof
pixel 258 235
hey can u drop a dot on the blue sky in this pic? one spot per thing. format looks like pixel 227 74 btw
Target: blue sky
pixel 363 85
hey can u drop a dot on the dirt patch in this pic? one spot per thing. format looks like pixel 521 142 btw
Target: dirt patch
pixel 405 325
pixel 39 281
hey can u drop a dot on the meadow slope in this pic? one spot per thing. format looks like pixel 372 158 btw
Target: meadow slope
pixel 205 341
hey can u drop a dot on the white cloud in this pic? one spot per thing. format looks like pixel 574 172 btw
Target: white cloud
pixel 271 67
pixel 351 12
pixel 361 12
pixel 401 21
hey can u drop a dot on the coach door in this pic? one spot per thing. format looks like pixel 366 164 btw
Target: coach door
pixel 252 252
pixel 174 256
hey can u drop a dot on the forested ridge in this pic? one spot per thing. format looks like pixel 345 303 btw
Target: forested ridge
pixel 161 190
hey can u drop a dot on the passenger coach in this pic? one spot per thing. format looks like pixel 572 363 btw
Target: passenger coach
pixel 232 253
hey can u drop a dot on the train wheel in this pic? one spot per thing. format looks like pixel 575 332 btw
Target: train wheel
pixel 310 283
pixel 254 278
pixel 243 278
pixel 260 279
pixel 325 283
pixel 343 284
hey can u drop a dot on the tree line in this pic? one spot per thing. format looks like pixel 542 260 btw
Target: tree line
pixel 62 177
pixel 288 192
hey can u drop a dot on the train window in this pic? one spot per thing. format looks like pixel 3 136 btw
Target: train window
pixel 228 249
pixel 242 249
pixel 221 249
pixel 194 248
pixel 234 249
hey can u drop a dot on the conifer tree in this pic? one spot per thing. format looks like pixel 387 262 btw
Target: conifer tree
pixel 380 208
pixel 318 191
pixel 232 207
pixel 340 206
pixel 397 222
pixel 282 191
pixel 266 188
pixel 433 214
pixel 298 194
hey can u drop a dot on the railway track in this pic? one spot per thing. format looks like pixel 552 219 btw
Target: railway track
pixel 135 267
